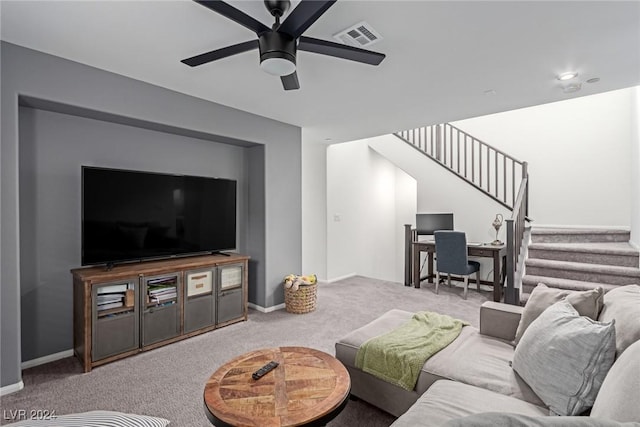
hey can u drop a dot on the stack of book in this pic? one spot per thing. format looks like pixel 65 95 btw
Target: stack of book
pixel 108 301
pixel 160 295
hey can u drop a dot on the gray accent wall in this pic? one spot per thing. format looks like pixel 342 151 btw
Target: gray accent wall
pixel 53 147
pixel 129 124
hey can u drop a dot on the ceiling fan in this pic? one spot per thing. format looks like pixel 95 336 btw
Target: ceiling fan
pixel 279 44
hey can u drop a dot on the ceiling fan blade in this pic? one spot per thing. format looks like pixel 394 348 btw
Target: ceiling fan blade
pixel 234 14
pixel 290 82
pixel 303 16
pixel 323 47
pixel 220 53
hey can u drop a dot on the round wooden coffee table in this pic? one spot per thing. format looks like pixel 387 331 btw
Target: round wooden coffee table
pixel 309 387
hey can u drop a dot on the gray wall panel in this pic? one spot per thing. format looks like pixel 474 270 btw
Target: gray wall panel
pixel 256 222
pixel 53 147
pixel 283 219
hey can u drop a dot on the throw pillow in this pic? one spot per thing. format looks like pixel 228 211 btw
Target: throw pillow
pixel 623 305
pixel 588 303
pixel 564 357
pixel 620 392
pixel 96 418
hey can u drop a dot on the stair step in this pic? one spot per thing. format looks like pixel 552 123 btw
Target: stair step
pixel 577 235
pixel 610 253
pixel 529 282
pixel 612 274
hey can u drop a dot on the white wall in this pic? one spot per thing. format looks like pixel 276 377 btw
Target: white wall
pixel 439 191
pixel 635 167
pixel 406 206
pixel 368 201
pixel 578 153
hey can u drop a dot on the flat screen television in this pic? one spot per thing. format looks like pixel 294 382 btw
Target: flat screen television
pixel 133 215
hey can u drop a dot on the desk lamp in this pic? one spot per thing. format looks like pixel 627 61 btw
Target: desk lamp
pixel 497 223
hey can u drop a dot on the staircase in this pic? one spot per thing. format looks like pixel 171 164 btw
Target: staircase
pixel 579 259
pixel 491 171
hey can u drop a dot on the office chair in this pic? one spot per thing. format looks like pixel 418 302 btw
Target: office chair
pixel 451 254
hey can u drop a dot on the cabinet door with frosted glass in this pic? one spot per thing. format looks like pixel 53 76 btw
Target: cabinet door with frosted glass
pixel 115 320
pixel 231 293
pixel 161 298
pixel 199 299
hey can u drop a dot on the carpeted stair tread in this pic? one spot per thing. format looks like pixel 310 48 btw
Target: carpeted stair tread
pixel 553 282
pixel 571 235
pixel 578 230
pixel 580 266
pixel 600 273
pixel 610 253
pixel 617 248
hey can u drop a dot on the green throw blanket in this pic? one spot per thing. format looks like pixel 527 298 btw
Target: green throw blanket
pixel 398 356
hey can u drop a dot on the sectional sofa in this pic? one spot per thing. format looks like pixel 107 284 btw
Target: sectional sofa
pixel 575 354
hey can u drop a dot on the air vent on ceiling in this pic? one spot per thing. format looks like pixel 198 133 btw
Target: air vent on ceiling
pixel 360 35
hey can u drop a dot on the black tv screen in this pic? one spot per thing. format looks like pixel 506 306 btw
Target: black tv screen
pixel 132 215
pixel 428 223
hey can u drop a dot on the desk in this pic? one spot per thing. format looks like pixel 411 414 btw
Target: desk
pixel 498 253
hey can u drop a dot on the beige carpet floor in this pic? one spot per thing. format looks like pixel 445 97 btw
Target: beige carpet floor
pixel 168 381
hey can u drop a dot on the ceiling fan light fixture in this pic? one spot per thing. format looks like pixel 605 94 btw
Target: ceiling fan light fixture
pixel 277 65
pixel 277 54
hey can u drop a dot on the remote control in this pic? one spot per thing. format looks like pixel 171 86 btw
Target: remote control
pixel 264 370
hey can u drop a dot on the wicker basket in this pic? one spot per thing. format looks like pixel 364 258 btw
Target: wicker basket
pixel 301 301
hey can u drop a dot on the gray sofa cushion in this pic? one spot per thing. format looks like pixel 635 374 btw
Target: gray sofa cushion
pixel 623 305
pixel 588 303
pixel 494 419
pixel 483 362
pixel 472 358
pixel 564 357
pixel 448 400
pixel 619 396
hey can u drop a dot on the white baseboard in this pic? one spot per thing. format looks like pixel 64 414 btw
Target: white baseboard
pixel 336 279
pixel 12 388
pixel 267 309
pixel 46 359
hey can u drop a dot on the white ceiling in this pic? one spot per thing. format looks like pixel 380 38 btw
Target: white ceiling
pixel 441 56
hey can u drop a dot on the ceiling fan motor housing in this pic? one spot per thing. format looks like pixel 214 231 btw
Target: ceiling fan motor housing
pixel 275 45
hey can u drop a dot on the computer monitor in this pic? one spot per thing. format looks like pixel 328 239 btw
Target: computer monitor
pixel 427 223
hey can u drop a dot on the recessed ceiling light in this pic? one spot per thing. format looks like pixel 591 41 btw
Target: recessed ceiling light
pixel 490 92
pixel 567 76
pixel 594 80
pixel 328 139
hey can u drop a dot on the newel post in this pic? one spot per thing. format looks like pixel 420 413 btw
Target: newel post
pixel 525 174
pixel 408 238
pixel 510 291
